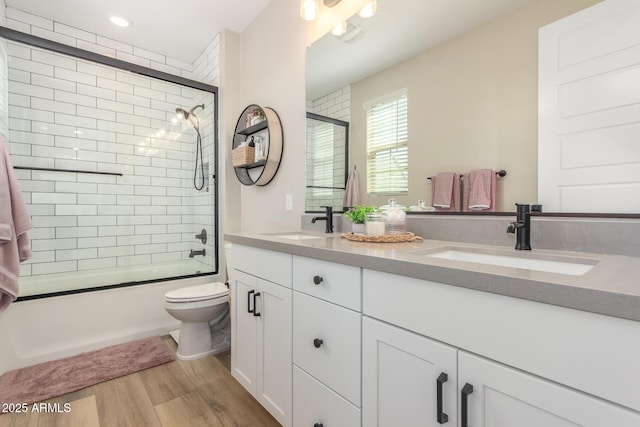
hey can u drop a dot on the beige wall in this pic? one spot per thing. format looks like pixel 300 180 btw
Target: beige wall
pixel 271 73
pixel 472 104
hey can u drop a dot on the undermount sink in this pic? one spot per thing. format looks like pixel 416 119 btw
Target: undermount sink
pixel 549 264
pixel 297 236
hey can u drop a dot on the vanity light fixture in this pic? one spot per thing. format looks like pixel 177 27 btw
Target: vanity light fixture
pixel 120 21
pixel 368 10
pixel 339 29
pixel 309 9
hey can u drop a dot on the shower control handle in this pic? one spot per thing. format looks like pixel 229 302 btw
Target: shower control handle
pixel 202 236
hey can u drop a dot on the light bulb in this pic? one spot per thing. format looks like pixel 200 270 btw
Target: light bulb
pixel 120 21
pixel 369 9
pixel 309 9
pixel 339 29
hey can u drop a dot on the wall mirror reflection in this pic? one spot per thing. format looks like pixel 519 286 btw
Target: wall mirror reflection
pixel 470 72
pixel 327 142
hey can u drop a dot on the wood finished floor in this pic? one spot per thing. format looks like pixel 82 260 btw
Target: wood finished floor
pixel 178 394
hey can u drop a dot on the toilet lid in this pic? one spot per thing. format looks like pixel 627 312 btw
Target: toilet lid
pixel 197 292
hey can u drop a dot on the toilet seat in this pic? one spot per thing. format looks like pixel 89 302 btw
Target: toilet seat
pixel 204 292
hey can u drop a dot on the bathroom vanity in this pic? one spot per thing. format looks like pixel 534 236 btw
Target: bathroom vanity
pixel 440 333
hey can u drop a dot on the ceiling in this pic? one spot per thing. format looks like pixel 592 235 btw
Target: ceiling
pixel 177 29
pixel 399 30
pixel 182 30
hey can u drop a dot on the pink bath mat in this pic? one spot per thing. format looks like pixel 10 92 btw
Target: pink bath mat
pixel 51 379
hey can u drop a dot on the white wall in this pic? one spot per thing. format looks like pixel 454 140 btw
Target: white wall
pixel 272 59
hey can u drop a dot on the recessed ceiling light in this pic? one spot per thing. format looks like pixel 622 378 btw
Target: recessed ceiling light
pixel 120 21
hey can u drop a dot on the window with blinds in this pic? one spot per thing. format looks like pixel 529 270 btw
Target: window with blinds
pixel 387 151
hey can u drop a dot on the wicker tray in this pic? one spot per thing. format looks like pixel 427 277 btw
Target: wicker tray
pixel 389 238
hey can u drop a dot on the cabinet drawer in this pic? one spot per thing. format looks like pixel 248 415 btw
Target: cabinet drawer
pixel 269 265
pixel 316 404
pixel 336 283
pixel 335 360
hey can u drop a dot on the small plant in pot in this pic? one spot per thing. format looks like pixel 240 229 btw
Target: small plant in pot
pixel 357 216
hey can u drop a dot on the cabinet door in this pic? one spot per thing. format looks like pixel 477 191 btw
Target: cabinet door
pixel 273 307
pixel 400 372
pixel 505 397
pixel 243 330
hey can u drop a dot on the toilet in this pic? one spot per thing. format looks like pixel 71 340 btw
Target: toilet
pixel 204 313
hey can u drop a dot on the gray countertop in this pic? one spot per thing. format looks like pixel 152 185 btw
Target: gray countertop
pixel 611 287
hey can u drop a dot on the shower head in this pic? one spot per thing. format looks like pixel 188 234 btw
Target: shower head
pixel 181 113
pixel 187 114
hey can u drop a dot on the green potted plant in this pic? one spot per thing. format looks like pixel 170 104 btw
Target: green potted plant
pixel 357 216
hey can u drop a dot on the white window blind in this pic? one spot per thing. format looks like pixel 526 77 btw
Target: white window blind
pixel 387 151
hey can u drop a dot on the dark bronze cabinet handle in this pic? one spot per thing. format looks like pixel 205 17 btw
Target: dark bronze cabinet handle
pixel 317 279
pixel 441 416
pixel 317 342
pixel 464 405
pixel 318 425
pixel 255 311
pixel 249 294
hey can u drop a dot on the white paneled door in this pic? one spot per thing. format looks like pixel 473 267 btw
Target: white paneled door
pixel 589 110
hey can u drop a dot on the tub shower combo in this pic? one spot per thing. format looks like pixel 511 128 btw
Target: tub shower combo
pixel 116 182
pixel 122 190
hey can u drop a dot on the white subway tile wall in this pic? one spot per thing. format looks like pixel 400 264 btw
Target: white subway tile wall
pixel 336 105
pixel 74 114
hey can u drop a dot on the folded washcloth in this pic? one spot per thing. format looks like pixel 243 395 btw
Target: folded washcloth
pixel 480 190
pixel 446 192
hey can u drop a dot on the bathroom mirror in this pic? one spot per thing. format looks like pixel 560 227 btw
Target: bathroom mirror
pixel 470 71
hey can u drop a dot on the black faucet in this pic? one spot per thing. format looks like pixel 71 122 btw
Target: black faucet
pixel 328 216
pixel 194 253
pixel 522 227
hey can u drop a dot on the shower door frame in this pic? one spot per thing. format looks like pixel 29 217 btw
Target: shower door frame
pixel 39 42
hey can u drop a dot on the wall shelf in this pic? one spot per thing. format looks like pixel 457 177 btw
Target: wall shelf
pixel 269 132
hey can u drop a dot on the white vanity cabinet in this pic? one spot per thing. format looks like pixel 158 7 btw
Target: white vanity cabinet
pixel 261 329
pixel 326 343
pixel 499 396
pixel 407 379
pixel 538 362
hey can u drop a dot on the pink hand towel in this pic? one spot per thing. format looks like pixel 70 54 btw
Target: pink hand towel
pixel 14 224
pixel 445 188
pixel 480 191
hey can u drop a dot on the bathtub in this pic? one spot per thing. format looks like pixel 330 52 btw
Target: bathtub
pixel 39 330
pixel 71 281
